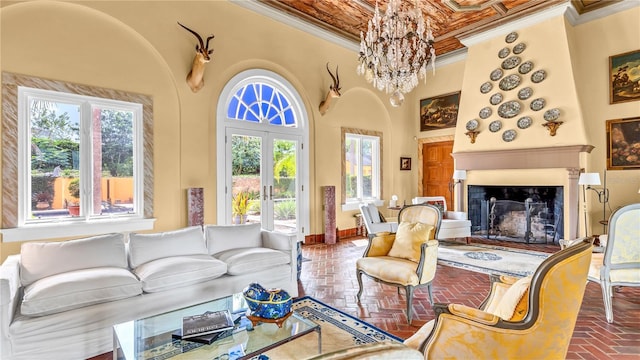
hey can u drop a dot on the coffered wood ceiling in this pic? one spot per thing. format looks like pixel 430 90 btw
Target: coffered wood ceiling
pixel 450 19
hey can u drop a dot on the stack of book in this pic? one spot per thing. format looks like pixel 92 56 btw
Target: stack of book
pixel 206 327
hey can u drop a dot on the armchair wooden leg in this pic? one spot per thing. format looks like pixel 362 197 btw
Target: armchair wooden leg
pixel 430 294
pixel 409 290
pixel 359 277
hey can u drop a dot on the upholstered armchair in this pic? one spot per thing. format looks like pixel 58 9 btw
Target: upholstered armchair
pixel 374 222
pixel 619 265
pixel 528 318
pixel 455 224
pixel 406 259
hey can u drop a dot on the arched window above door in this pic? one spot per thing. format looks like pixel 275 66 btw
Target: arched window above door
pixel 260 102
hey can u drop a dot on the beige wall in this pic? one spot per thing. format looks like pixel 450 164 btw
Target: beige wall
pixel 138 47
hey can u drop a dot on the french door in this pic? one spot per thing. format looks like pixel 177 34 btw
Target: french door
pixel 263 171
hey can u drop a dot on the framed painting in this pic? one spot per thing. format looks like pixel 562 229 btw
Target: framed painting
pixel 624 77
pixel 623 144
pixel 405 163
pixel 439 112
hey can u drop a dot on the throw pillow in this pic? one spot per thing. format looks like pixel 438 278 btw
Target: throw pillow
pixel 409 238
pixel 511 306
pixel 438 204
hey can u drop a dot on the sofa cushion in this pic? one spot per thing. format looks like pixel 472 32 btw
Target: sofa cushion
pixel 39 260
pixel 148 247
pixel 224 237
pixel 177 271
pixel 79 288
pixel 248 260
pixel 409 239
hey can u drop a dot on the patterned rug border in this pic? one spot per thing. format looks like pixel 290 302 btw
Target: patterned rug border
pixel 368 333
pixel 488 270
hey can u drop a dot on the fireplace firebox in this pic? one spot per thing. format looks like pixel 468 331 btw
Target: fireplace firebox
pixel 531 214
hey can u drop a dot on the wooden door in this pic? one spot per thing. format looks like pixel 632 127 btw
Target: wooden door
pixel 437 170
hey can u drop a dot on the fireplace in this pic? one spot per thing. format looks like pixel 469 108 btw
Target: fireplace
pixel 531 214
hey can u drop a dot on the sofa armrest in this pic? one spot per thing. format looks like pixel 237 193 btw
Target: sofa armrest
pixel 9 296
pixel 455 215
pixel 476 315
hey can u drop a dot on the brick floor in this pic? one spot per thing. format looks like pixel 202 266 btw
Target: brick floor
pixel 330 277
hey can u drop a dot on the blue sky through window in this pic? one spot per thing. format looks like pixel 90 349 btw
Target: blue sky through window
pixel 261 103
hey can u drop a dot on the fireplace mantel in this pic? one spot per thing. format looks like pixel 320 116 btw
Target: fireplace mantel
pixel 534 158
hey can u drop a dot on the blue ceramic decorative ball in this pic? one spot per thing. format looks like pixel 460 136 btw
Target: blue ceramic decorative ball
pixel 267 303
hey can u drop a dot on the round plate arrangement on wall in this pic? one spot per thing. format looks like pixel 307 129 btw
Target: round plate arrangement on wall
pixel 495 125
pixel 504 52
pixel 537 104
pixel 495 99
pixel 509 135
pixel 524 122
pixel 486 87
pixel 485 112
pixel 511 62
pixel 552 114
pixel 510 82
pixel 511 37
pixel 538 76
pixel 519 48
pixel 525 67
pixel 509 109
pixel 525 93
pixel 496 74
pixel 472 124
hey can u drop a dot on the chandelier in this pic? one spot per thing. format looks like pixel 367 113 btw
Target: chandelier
pixel 396 49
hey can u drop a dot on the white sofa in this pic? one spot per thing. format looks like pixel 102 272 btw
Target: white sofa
pixel 373 222
pixel 59 300
pixel 455 224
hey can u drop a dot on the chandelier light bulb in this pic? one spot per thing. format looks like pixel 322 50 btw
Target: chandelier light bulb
pixel 395 51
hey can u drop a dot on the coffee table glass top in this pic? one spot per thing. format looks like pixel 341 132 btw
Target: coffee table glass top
pixel 154 337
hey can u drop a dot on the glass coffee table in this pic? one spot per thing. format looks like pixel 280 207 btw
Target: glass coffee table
pixel 155 337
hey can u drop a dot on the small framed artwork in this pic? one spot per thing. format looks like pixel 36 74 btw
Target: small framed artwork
pixel 405 163
pixel 623 144
pixel 624 82
pixel 439 112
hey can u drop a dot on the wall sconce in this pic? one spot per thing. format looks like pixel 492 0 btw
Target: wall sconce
pixel 589 179
pixel 552 126
pixel 472 135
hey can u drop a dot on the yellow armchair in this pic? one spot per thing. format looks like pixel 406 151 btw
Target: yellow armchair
pixel 538 325
pixel 406 259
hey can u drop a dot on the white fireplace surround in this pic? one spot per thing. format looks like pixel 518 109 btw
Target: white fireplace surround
pixel 558 157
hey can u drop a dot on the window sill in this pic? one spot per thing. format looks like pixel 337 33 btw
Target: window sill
pixel 63 230
pixel 356 205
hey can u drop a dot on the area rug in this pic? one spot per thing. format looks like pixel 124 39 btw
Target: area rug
pixel 490 259
pixel 338 331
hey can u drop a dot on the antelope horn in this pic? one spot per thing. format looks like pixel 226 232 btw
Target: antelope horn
pixel 207 48
pixel 196 35
pixel 336 82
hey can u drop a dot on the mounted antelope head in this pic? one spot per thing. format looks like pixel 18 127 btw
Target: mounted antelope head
pixel 195 78
pixel 334 92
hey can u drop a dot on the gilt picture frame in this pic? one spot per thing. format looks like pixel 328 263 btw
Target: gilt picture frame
pixel 439 112
pixel 405 163
pixel 624 78
pixel 623 144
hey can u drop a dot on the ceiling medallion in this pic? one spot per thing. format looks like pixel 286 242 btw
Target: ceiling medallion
pixel 396 49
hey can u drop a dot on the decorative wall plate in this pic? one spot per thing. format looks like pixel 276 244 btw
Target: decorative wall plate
pixel 513 36
pixel 472 124
pixel 509 109
pixel 509 135
pixel 525 93
pixel 504 52
pixel 495 99
pixel 538 76
pixel 486 87
pixel 518 49
pixel 510 82
pixel 485 112
pixel 511 62
pixel 525 67
pixel 524 122
pixel 552 114
pixel 538 104
pixel 495 125
pixel 496 74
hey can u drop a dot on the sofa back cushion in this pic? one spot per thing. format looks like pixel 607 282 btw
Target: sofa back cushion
pixel 224 237
pixel 41 259
pixel 148 247
pixel 437 201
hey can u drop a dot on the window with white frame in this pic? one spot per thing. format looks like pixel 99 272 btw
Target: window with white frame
pixel 80 157
pixel 361 165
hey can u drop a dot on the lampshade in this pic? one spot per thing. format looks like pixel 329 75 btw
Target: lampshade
pixel 459 174
pixel 589 179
